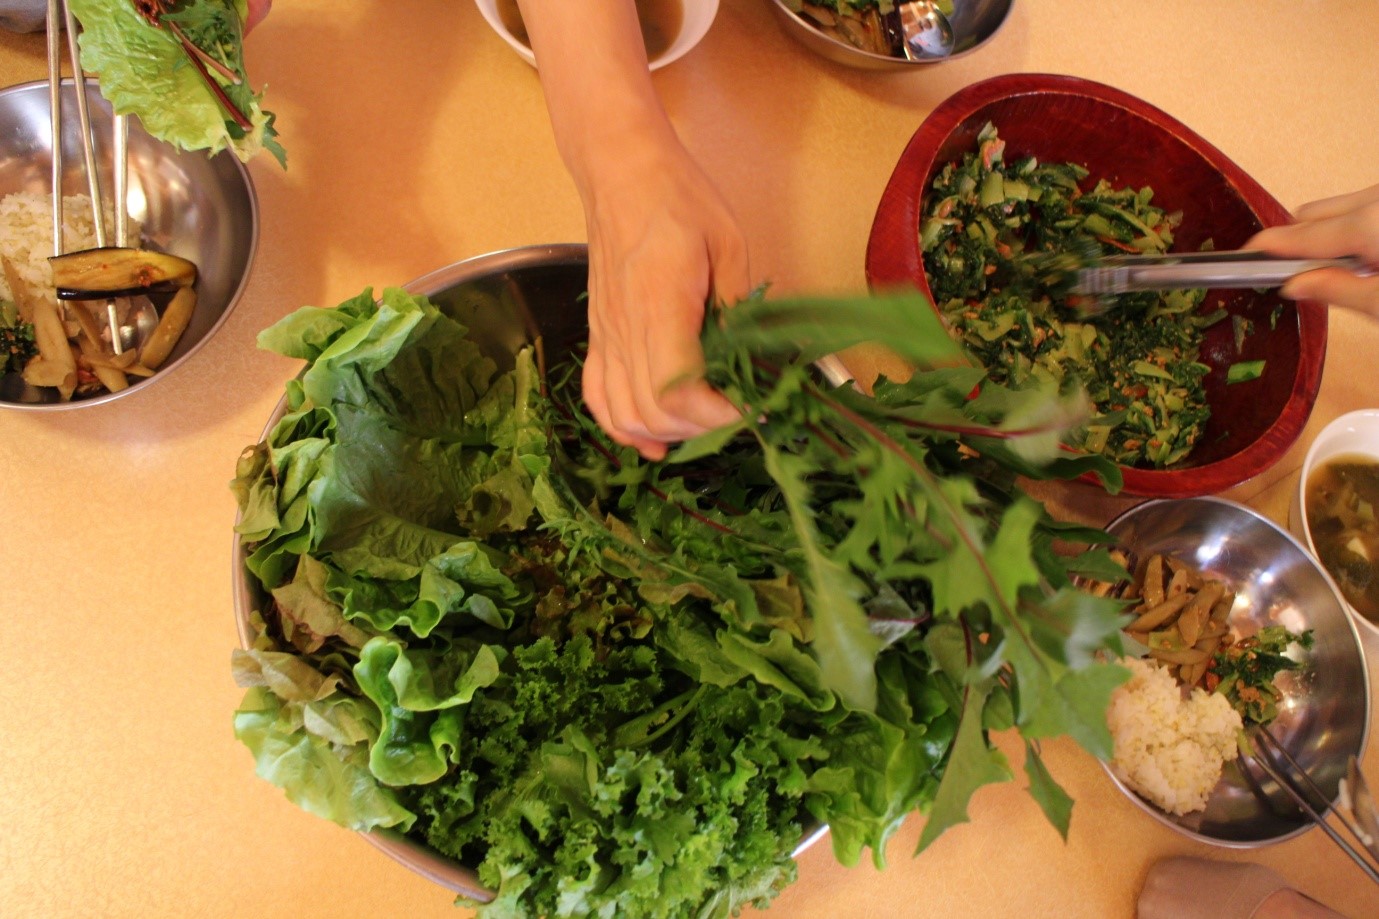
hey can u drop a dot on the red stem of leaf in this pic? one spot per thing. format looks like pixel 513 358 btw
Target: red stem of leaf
pixel 886 443
pixel 225 102
pixel 192 48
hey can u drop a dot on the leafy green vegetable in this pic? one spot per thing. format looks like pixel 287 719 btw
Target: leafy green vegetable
pixel 1246 671
pixel 617 687
pixel 17 343
pixel 148 70
pixel 1244 371
pixel 1000 240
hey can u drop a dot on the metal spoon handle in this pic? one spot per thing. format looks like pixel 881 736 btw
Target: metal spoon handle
pixel 1200 269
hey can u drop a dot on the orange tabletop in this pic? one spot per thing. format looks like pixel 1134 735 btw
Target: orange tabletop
pixel 417 138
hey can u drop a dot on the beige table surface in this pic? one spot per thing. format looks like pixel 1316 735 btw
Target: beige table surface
pixel 417 139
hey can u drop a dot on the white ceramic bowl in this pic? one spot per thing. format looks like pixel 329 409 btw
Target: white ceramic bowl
pixel 697 16
pixel 1354 433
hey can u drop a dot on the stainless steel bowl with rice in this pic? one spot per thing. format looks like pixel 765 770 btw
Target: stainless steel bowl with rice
pixel 184 209
pixel 1174 756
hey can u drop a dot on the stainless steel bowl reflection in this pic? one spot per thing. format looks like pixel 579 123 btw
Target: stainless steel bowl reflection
pixel 975 22
pixel 507 299
pixel 201 208
pixel 1324 717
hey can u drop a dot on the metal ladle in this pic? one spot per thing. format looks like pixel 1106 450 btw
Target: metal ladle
pixel 926 32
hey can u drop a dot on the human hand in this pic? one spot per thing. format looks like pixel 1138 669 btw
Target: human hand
pixel 662 241
pixel 1333 227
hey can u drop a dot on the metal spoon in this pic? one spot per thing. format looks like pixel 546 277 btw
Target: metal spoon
pixel 927 33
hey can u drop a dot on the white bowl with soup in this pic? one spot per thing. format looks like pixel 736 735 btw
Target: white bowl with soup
pixel 1336 510
pixel 670 28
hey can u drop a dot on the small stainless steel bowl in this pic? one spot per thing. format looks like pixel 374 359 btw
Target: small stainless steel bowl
pixel 201 208
pixel 508 299
pixel 1324 716
pixel 975 22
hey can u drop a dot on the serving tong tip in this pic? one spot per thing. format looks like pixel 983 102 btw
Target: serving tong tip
pixel 1353 807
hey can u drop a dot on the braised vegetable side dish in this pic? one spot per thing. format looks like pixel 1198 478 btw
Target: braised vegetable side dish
pixel 1245 671
pixel 1342 497
pixel 1182 617
pixel 998 239
pixel 622 688
pixel 55 326
pixel 871 25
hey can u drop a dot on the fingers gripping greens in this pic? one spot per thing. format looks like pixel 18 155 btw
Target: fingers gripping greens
pixel 623 688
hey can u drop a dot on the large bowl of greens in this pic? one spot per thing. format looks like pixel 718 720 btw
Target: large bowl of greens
pixel 562 680
pixel 1193 392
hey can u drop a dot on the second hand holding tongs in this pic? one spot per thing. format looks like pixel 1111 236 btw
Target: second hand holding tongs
pixel 1186 270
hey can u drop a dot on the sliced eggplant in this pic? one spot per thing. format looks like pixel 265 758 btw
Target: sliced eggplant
pixel 176 316
pixel 115 271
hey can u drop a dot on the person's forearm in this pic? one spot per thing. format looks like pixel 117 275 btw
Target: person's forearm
pixel 592 62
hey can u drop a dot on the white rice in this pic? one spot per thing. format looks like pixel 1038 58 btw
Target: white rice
pixel 1169 749
pixel 26 236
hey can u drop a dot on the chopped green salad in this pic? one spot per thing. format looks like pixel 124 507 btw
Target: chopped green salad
pixel 620 688
pixel 999 241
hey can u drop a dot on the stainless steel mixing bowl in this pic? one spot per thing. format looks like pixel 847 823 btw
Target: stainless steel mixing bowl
pixel 201 208
pixel 974 22
pixel 1324 715
pixel 507 299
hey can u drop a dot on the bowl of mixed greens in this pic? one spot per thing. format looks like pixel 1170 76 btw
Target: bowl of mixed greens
pixel 867 34
pixel 563 680
pixel 1193 392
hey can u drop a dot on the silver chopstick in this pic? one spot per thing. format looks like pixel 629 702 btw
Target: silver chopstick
pixel 55 110
pixel 1299 793
pixel 93 178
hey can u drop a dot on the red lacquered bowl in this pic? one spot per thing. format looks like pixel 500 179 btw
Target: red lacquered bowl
pixel 1130 142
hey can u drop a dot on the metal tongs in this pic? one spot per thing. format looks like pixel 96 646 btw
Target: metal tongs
pixel 1354 809
pixel 1180 271
pixel 59 18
